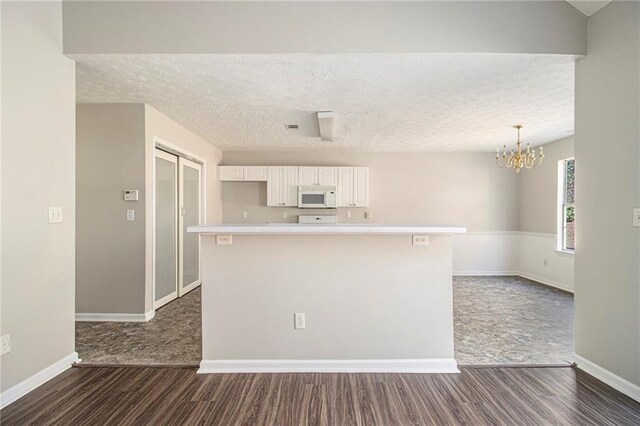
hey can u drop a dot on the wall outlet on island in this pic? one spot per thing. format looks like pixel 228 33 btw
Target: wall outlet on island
pixel 298 321
pixel 420 240
pixel 224 240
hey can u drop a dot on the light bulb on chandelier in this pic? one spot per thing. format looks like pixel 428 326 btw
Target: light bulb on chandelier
pixel 516 159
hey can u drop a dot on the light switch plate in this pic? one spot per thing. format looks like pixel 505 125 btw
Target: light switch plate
pixel 636 216
pixel 420 240
pixel 224 240
pixel 5 344
pixel 131 195
pixel 55 214
pixel 299 321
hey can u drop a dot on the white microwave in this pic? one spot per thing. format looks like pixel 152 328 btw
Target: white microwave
pixel 317 197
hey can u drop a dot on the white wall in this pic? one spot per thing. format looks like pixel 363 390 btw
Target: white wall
pixel 537 220
pixel 607 153
pixel 460 188
pixel 38 171
pixel 371 297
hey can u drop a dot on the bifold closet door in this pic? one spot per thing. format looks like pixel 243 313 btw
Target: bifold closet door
pixel 166 228
pixel 190 192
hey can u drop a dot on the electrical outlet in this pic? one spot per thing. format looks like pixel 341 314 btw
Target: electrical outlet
pixel 55 214
pixel 348 214
pixel 224 240
pixel 636 216
pixel 245 215
pixel 131 215
pixel 298 321
pixel 285 215
pixel 5 344
pixel 367 215
pixel 420 240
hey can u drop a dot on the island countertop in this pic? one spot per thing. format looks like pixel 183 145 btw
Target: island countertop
pixel 325 229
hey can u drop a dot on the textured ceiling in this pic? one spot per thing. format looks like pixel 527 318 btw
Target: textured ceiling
pixel 399 102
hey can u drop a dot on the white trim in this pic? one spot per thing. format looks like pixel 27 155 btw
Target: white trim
pixel 545 281
pixel 148 316
pixel 611 379
pixel 536 234
pixel 532 234
pixel 435 365
pixel 541 280
pixel 41 377
pixel 190 287
pixel 485 273
pixel 96 317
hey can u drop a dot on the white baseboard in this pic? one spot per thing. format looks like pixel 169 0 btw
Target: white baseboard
pixel 485 273
pixel 545 281
pixel 613 380
pixel 41 377
pixel 541 280
pixel 116 317
pixel 329 366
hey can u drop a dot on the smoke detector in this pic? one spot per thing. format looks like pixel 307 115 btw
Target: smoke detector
pixel 291 126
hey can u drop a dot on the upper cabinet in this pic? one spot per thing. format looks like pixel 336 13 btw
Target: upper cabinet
pixel 353 186
pixel 282 182
pixel 317 175
pixel 282 186
pixel 242 173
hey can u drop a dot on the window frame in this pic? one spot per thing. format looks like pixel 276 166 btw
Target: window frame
pixel 562 205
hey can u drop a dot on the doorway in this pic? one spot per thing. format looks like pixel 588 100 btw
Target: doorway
pixel 177 205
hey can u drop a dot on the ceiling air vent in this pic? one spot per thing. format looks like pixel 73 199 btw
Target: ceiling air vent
pixel 292 126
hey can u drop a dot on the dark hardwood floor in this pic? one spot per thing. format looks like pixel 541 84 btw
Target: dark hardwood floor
pixel 155 396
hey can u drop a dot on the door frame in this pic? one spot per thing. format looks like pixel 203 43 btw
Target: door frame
pixel 182 289
pixel 158 153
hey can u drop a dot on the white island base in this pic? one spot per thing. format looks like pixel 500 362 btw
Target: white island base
pixel 373 302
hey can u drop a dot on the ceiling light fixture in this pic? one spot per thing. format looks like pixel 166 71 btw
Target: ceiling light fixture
pixel 516 159
pixel 327 125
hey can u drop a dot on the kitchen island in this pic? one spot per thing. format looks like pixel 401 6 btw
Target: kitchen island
pixel 375 298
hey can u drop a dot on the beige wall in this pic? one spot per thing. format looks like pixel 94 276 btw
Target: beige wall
pixel 538 189
pixel 116 152
pixel 607 152
pixel 346 27
pixel 465 189
pixel 160 126
pixel 38 171
pixel 368 297
pixel 110 251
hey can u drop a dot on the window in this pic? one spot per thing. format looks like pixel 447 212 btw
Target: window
pixel 566 208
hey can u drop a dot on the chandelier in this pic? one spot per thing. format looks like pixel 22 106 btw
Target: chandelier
pixel 517 159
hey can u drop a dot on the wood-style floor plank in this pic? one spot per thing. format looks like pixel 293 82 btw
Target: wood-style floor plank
pixel 179 396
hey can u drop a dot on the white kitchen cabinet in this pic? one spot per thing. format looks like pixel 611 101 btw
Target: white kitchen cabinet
pixel 353 186
pixel 255 173
pixel 242 173
pixel 328 176
pixel 317 175
pixel 230 173
pixel 307 175
pixel 282 186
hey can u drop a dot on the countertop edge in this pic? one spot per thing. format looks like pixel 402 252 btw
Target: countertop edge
pixel 295 229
